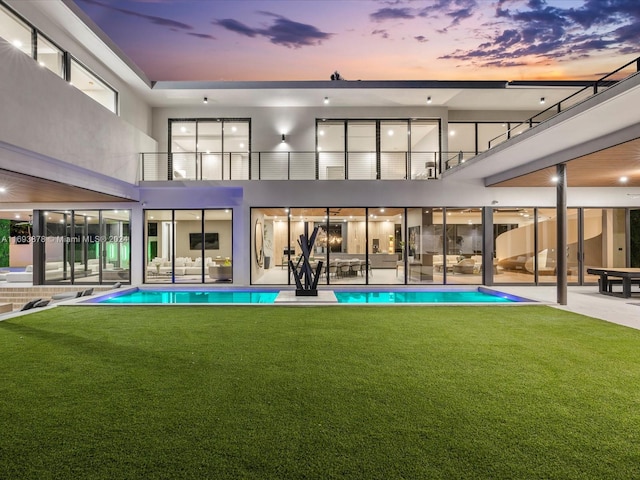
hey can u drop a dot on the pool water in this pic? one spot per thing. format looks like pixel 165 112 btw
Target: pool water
pixel 422 297
pixel 192 297
pixel 264 297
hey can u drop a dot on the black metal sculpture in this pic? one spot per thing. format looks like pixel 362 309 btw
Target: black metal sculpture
pixel 305 271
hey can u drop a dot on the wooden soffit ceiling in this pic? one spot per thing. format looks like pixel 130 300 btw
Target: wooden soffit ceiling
pixel 603 168
pixel 20 188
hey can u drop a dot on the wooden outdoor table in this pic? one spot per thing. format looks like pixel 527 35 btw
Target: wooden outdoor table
pixel 626 275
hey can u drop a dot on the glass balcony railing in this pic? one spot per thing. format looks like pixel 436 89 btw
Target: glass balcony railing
pixel 580 96
pixel 286 165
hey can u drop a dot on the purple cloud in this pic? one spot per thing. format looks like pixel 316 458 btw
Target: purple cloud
pixel 391 14
pixel 206 36
pixel 548 32
pixel 283 31
pixel 383 33
pixel 421 38
pixel 235 26
pixel 165 22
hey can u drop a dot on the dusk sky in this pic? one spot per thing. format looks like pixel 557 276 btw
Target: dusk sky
pixel 372 39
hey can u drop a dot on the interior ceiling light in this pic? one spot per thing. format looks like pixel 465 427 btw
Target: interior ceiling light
pixel 206 100
pixel 428 99
pixel 542 101
pixel 284 139
pixel 326 100
pixel 624 179
pixel 554 179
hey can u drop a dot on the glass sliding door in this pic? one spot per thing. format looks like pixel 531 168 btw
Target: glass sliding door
pixel 425 149
pixel 218 246
pixel 386 233
pixel 604 240
pixel 236 147
pixel 304 220
pixel 425 262
pixel 270 254
pixel 87 246
pixel 331 149
pixel 159 246
pixel 189 246
pixel 394 149
pixel 346 244
pixel 115 263
pixel 210 147
pixel 57 261
pixel 513 245
pixel 464 240
pixel 361 150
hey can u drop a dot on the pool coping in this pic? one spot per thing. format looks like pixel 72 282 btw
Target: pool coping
pixel 325 298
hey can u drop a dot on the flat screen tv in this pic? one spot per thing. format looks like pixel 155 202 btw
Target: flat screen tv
pixel 210 241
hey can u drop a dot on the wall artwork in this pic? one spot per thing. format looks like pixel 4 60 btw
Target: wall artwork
pixel 211 241
pixel 414 242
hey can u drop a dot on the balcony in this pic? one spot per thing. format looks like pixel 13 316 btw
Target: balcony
pixel 285 165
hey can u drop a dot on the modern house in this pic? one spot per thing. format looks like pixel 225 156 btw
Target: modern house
pixel 108 177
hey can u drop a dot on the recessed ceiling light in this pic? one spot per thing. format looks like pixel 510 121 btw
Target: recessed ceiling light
pixel 542 101
pixel 390 133
pixel 326 100
pixel 3 189
pixel 205 100
pixel 452 133
pixel 17 43
pixel 183 129
pixel 428 99
pixel 554 179
pixel 624 179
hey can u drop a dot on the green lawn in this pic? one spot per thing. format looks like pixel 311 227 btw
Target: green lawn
pixel 220 392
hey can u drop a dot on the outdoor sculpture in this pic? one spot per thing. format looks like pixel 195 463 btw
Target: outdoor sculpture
pixel 305 271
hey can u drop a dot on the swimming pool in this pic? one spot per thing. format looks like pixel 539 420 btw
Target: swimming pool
pixel 472 296
pixel 191 297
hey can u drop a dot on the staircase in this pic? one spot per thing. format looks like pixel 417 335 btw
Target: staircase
pixel 18 296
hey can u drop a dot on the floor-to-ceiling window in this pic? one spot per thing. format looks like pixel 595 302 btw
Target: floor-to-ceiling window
pixel 209 149
pixel 514 244
pixel 346 243
pixel 87 246
pixel 386 245
pixel 464 240
pixel 189 246
pixel 604 241
pixel 369 149
pixel 356 245
pixel 424 247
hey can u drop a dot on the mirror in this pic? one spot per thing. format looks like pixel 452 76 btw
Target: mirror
pixel 259 243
